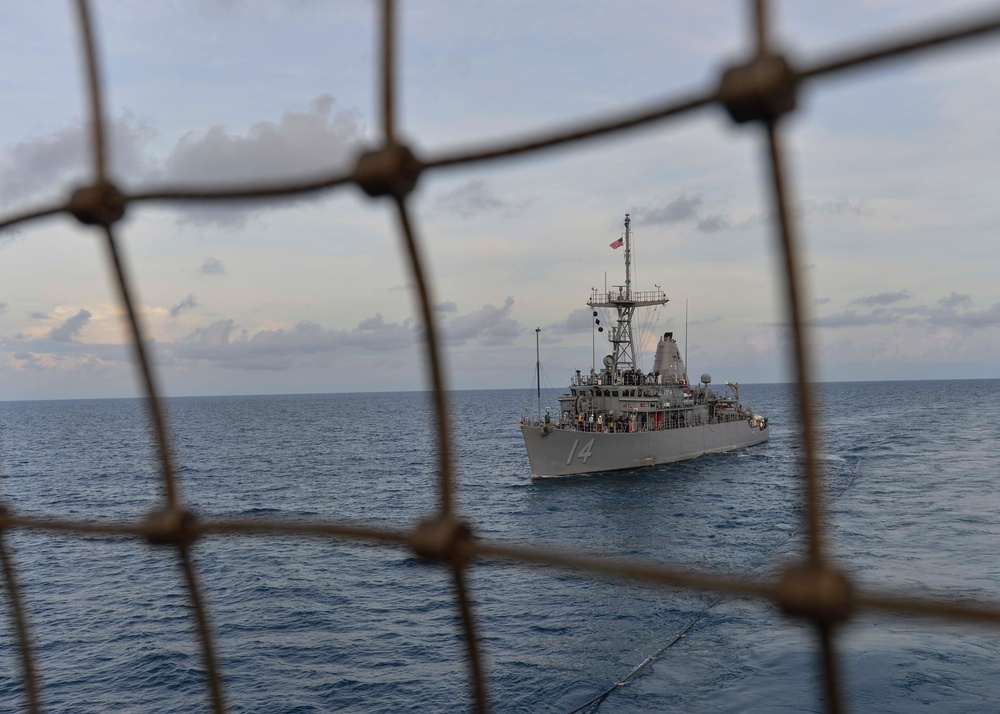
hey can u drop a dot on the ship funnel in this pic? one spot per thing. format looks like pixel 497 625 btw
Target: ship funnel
pixel 668 363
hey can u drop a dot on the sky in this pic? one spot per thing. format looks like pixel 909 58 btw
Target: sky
pixel 893 170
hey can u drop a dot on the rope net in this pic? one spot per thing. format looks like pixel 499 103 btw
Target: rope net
pixel 761 91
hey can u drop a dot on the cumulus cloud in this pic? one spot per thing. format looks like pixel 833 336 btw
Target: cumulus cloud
pixel 887 298
pixel 446 307
pixel 225 344
pixel 221 342
pixel 212 266
pixel 60 159
pixel 576 323
pixel 302 143
pixel 38 316
pixel 311 143
pixel 70 329
pixel 955 310
pixel 470 199
pixel 308 143
pixel 186 304
pixel 692 208
pixel 682 208
pixel 490 325
pixel 3 308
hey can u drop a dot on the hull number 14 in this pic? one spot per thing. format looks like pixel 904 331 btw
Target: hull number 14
pixel 585 453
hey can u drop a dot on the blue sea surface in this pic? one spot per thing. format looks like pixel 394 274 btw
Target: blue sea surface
pixel 318 625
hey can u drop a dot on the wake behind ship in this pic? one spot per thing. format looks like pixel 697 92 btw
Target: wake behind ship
pixel 621 417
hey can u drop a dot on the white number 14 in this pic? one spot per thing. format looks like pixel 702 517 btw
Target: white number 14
pixel 585 453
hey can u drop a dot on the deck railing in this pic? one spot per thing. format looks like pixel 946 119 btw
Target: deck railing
pixel 599 298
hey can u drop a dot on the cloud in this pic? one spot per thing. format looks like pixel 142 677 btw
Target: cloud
pixel 3 308
pixel 851 318
pixel 883 298
pixel 470 199
pixel 446 307
pixel 955 300
pixel 837 207
pixel 301 144
pixel 685 208
pixel 221 343
pixel 682 208
pixel 70 329
pixel 225 344
pixel 821 301
pixel 212 266
pixel 490 325
pixel 60 159
pixel 692 208
pixel 38 316
pixel 713 224
pixel 186 304
pixel 577 322
pixel 968 318
pixel 29 361
pixel 955 310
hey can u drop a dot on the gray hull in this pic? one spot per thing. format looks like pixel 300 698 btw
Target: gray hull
pixel 562 452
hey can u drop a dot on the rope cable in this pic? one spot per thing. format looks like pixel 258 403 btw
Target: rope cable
pixel 596 700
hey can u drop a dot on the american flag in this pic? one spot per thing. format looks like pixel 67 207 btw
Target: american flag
pixel 618 243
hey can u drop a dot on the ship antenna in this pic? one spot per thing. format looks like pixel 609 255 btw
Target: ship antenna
pixel 538 374
pixel 628 257
pixel 685 340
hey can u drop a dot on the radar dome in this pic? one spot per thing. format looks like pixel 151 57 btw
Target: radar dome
pixel 706 378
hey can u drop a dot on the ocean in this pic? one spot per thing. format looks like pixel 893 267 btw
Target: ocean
pixel 314 625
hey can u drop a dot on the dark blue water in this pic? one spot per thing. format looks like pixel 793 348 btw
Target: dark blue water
pixel 310 625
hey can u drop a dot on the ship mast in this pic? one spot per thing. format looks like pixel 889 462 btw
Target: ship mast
pixel 628 257
pixel 538 374
pixel 624 301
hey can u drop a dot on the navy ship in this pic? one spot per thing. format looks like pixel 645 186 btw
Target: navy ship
pixel 621 417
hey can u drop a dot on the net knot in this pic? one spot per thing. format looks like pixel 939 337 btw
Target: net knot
pixel 391 170
pixel 98 205
pixel 170 526
pixel 443 539
pixel 817 592
pixel 761 90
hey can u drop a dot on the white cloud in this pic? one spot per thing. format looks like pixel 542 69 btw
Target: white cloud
pixel 301 144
